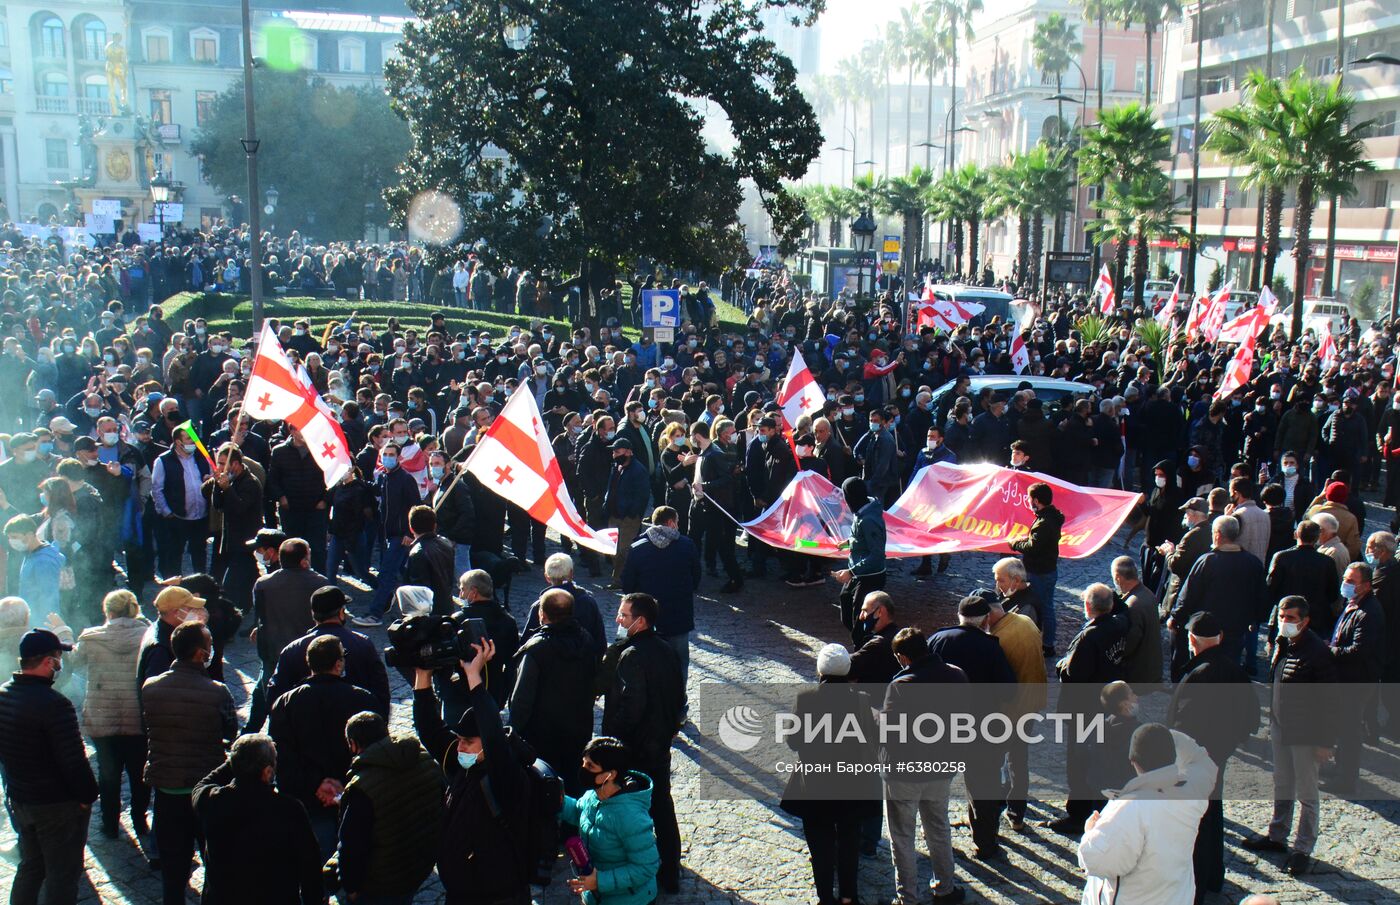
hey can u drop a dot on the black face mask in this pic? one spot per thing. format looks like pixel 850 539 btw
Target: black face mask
pixel 587 778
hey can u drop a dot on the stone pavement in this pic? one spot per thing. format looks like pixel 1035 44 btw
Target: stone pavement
pixel 750 851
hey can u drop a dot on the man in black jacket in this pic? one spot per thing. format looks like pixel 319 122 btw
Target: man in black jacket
pixel 1229 583
pixel 874 661
pixel 281 614
pixel 642 707
pixel 258 845
pixel 1302 730
pixel 551 705
pixel 430 559
pixel 1358 649
pixel 235 494
pixel 308 724
pixel 1386 586
pixel 968 647
pixel 364 664
pixel 456 516
pixel 481 850
pixel 1305 571
pixel 1040 554
pixel 1214 703
pixel 303 504
pixel 49 786
pixel 1095 658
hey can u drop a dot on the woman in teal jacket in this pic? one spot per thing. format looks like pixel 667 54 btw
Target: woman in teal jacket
pixel 614 822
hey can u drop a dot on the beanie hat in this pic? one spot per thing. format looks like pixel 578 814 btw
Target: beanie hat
pixel 834 660
pixel 1335 492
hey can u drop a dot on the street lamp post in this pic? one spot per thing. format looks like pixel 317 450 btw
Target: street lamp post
pixel 270 196
pixel 160 194
pixel 863 237
pixel 250 149
pixel 1382 59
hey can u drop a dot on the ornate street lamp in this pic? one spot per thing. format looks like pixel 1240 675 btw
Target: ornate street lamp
pixel 160 194
pixel 863 237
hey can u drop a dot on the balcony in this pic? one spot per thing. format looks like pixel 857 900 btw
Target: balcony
pixel 44 103
pixel 94 106
pixel 1354 224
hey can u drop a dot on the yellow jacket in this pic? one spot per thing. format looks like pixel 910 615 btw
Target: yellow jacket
pixel 1020 641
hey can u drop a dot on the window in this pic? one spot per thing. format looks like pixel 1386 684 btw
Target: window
pixel 1380 193
pixel 160 105
pixel 1207 196
pixel 56 153
pixel 7 81
pixel 1384 125
pixel 157 46
pixel 1047 79
pixel 4 33
pixel 94 40
pixel 1110 75
pixel 1324 66
pixel 352 55
pixel 303 51
pixel 54 84
pixel 95 87
pixel 204 45
pixel 390 51
pixel 204 106
pixel 51 38
pixel 1139 78
pixel 163 163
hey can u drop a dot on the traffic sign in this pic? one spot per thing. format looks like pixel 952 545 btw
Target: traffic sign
pixel 661 308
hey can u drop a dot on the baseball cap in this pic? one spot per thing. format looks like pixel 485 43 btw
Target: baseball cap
pixel 327 601
pixel 266 537
pixel 1195 504
pixel 142 426
pixel 466 726
pixel 39 641
pixel 621 443
pixel 62 425
pixel 177 598
pixel 84 444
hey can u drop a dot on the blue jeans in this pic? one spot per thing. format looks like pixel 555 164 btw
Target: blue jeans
pixel 1043 586
pixel 390 573
pixel 356 546
pixel 461 559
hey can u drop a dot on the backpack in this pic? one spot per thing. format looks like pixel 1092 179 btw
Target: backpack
pixel 543 806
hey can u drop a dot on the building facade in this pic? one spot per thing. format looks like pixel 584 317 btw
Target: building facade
pixel 1235 39
pixel 58 61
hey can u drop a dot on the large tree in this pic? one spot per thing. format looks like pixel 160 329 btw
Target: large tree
pixel 1054 47
pixel 569 135
pixel 329 152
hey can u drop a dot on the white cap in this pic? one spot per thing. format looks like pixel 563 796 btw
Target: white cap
pixel 833 660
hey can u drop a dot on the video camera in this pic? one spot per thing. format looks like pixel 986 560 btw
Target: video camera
pixel 425 641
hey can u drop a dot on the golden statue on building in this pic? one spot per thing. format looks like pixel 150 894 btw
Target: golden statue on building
pixel 116 73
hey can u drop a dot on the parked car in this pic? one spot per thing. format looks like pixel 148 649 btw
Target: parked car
pixel 1321 315
pixel 1049 390
pixel 995 302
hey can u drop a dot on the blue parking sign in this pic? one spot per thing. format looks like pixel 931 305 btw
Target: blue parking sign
pixel 661 308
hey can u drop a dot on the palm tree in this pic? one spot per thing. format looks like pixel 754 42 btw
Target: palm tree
pixel 850 88
pixel 875 59
pixel 843 204
pixel 1152 14
pixel 1236 133
pixel 961 196
pixel 866 191
pixel 905 196
pixel 1012 195
pixel 1127 142
pixel 954 18
pixel 1054 46
pixel 908 31
pixel 1136 211
pixel 1100 11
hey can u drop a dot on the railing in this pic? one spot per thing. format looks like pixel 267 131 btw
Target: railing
pixel 94 106
pixel 44 103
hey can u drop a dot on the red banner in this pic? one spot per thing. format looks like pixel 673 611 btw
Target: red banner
pixel 947 509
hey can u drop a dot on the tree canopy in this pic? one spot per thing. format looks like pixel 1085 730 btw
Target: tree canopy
pixel 570 133
pixel 330 152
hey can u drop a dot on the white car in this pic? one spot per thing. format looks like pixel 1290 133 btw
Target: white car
pixel 1320 315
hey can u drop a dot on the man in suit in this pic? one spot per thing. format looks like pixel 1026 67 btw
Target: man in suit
pixel 281 614
pixel 1213 703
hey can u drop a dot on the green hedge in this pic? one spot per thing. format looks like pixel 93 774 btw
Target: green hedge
pixel 235 314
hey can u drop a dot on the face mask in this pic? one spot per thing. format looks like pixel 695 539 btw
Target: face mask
pixel 199 331
pixel 68 347
pixel 1259 409
pixel 859 397
pixel 1275 395
pixel 1349 590
pixel 91 412
pixel 190 448
pixel 46 447
pixel 436 471
pixel 623 633
pixel 1290 470
pixel 110 438
pixel 25 456
pixel 651 403
pixel 1193 461
pixel 389 462
pixel 848 412
pixel 1161 481
pixel 300 332
pixel 1371 559
pixel 110 359
pixel 1289 630
pixel 43 499
pixel 466 760
pixel 608 435
pixel 679 442
pixel 874 427
pixel 503 358
pixel 868 624
pixel 18 545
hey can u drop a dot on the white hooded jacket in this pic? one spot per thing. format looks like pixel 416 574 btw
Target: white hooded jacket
pixel 1139 851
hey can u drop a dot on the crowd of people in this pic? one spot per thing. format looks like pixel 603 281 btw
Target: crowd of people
pixel 136 561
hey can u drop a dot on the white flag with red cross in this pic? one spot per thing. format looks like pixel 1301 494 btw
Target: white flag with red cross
pixel 1214 318
pixel 1247 326
pixel 1238 370
pixel 515 460
pixel 281 391
pixel 1164 317
pixel 1020 357
pixel 801 395
pixel 1104 290
pixel 1327 352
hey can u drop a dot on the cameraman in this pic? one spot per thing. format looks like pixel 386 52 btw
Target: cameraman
pixel 481 853
pixel 478 595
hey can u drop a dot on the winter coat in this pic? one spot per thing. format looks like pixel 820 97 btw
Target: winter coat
pixel 1309 573
pixel 391 818
pixel 1229 583
pixel 308 725
pixel 1347 531
pixel 189 717
pixel 432 564
pixel 642 706
pixel 620 839
pixel 586 611
pixel 1304 703
pixel 1040 550
pixel 1214 703
pixel 364 664
pixel 110 653
pixel 551 705
pixel 1358 644
pixel 904 702
pixel 1094 658
pixel 41 750
pixel 868 535
pixel 294 474
pixel 258 843
pixel 1140 849
pixel 282 607
pixel 1021 643
pixel 665 564
pixel 628 490
pixel 1142 650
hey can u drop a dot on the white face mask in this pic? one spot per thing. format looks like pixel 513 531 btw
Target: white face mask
pixel 1161 481
pixel 1289 630
pixel 18 545
pixel 623 633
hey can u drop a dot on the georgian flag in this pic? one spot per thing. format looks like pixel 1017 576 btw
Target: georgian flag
pixel 1104 290
pixel 515 460
pixel 1246 327
pixel 1164 317
pixel 1020 357
pixel 1327 352
pixel 944 314
pixel 279 391
pixel 801 395
pixel 1238 370
pixel 1214 319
